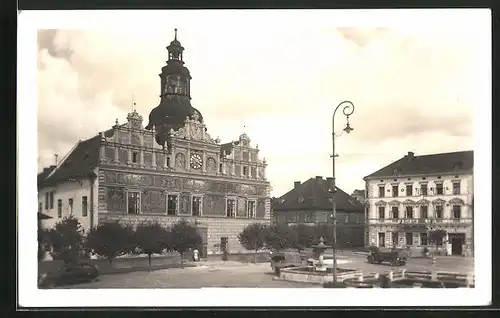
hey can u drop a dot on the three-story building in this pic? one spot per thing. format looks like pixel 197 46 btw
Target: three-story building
pixel 169 170
pixel 415 194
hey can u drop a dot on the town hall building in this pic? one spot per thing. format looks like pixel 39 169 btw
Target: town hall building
pixel 170 169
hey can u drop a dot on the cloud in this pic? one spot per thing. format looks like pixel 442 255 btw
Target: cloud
pixel 408 86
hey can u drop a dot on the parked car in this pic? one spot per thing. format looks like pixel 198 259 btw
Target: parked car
pixel 393 257
pixel 72 273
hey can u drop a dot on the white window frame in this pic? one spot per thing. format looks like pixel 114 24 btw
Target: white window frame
pixel 200 196
pixel 235 207
pixel 247 210
pixel 140 200
pixel 177 205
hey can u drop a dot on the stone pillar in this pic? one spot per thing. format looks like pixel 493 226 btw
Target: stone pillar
pixel 153 158
pixel 117 155
pixel 172 158
pixel 129 155
pixel 257 172
pixel 141 160
pixel 233 168
pixel 204 166
pixel 434 275
pixel 469 280
pixel 188 158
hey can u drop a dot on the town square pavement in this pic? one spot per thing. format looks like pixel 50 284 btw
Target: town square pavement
pixel 247 275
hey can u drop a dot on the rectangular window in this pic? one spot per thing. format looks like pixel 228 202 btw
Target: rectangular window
pixel 409 190
pixel 251 210
pixel 381 212
pixel 409 238
pixel 230 208
pixel 59 208
pixel 172 201
pixel 423 189
pixel 424 212
pixel 381 191
pixel 134 157
pixel 439 188
pixel 395 212
pixel 439 211
pixel 196 206
pixel 70 203
pixel 395 190
pixel 409 212
pixel 381 239
pixel 84 206
pixel 46 201
pixel 168 161
pixel 133 202
pixel 220 168
pixel 456 211
pixel 423 239
pixel 245 171
pixel 51 200
pixel 456 188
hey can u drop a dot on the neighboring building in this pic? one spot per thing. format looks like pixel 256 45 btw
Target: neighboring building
pixel 170 169
pixel 311 203
pixel 359 195
pixel 416 193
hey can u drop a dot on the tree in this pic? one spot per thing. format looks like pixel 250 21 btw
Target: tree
pixel 110 240
pixel 184 236
pixel 43 242
pixel 436 236
pixel 150 238
pixel 253 237
pixel 280 236
pixel 66 239
pixel 304 237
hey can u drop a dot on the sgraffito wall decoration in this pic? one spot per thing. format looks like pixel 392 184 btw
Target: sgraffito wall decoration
pixel 116 200
pixel 123 155
pixel 241 205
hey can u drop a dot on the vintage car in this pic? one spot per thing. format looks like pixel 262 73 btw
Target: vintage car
pixel 71 273
pixel 393 257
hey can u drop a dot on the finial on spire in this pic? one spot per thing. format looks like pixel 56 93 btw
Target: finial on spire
pixel 175 38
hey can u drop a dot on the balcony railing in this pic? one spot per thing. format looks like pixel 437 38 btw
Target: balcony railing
pixel 420 221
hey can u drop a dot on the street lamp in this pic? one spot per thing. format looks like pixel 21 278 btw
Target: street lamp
pixel 347 110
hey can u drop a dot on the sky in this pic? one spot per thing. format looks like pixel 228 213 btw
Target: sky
pixel 414 86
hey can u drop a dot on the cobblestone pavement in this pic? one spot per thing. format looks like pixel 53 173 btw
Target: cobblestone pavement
pixel 245 275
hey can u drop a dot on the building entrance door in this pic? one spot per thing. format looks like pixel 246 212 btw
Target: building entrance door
pixel 457 241
pixel 381 239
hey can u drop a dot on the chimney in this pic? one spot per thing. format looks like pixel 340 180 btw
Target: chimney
pixel 319 178
pixel 410 155
pixel 55 157
pixel 296 184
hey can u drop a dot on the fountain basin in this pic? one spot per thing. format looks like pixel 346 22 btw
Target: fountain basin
pixel 311 275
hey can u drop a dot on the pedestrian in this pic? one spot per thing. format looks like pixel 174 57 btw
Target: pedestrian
pixel 196 256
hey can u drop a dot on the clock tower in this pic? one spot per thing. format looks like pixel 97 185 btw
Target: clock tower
pixel 175 96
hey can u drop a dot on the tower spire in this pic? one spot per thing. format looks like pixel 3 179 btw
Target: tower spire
pixel 175 36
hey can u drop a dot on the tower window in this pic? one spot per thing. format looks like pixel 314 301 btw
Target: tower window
pixel 134 157
pixel 220 168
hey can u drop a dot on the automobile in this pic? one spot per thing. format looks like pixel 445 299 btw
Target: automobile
pixel 393 257
pixel 71 273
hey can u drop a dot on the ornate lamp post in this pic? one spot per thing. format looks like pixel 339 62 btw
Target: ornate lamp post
pixel 347 110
